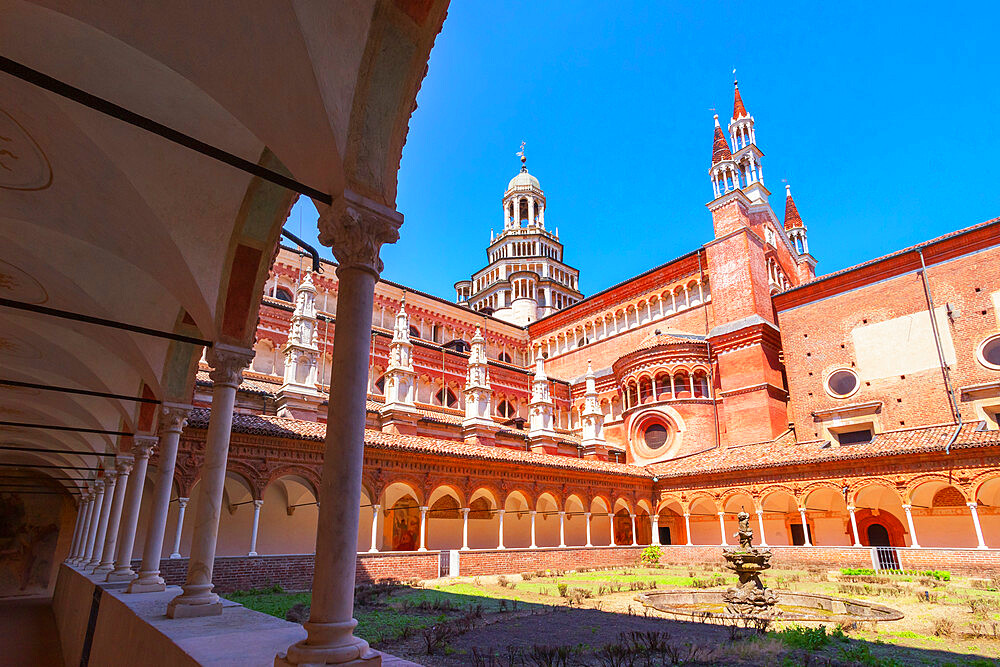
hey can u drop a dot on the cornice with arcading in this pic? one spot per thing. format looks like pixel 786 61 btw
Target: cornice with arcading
pixel 754 334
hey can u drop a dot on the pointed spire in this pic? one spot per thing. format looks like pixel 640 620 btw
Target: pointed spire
pixel 720 147
pixel 792 217
pixel 739 111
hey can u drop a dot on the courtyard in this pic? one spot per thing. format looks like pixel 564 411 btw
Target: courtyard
pixel 591 617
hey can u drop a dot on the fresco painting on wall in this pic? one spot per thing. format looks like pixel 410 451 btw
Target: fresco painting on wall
pixel 405 525
pixel 29 531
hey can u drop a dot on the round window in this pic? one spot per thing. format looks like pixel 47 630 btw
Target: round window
pixel 842 383
pixel 989 352
pixel 655 436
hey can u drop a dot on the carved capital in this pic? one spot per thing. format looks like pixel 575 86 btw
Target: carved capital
pixel 143 445
pixel 227 364
pixel 355 227
pixel 124 463
pixel 173 417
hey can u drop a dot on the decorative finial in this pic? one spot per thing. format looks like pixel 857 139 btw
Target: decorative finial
pixel 524 159
pixel 735 81
pixel 788 191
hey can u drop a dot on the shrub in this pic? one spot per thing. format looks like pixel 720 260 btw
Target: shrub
pixel 651 555
pixel 297 613
pixel 944 627
pixel 527 576
pixel 810 639
pixel 940 575
pixel 562 587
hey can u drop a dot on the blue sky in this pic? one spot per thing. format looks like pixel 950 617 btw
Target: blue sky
pixel 879 115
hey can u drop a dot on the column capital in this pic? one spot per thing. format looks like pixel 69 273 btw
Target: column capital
pixel 906 507
pixel 465 510
pixel 500 512
pixel 228 362
pixel 687 514
pixel 355 228
pixel 424 508
pixel 531 512
pixel 173 416
pixel 722 514
pixel 972 506
pixel 759 511
pixel 110 475
pixel 258 503
pixel 587 514
pixel 124 463
pixel 143 445
pixel 182 502
pixel 561 512
pixel 850 508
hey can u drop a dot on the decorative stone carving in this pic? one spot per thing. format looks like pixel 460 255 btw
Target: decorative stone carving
pixel 355 228
pixel 173 418
pixel 228 363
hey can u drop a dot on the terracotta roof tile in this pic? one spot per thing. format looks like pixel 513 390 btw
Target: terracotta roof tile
pixel 792 217
pixel 315 431
pixel 785 452
pixel 658 338
pixel 720 147
pixel 739 111
pixel 250 385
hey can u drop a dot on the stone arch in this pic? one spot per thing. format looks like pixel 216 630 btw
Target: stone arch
pixel 288 514
pixel 400 509
pixel 444 522
pixel 517 519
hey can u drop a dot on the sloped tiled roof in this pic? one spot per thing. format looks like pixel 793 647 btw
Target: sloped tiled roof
pixel 250 385
pixel 739 111
pixel 792 217
pixel 785 452
pixel 720 147
pixel 315 431
pixel 658 338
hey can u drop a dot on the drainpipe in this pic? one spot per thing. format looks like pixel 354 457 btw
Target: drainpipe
pixel 940 351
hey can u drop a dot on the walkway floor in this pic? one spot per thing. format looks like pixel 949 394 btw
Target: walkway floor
pixel 28 633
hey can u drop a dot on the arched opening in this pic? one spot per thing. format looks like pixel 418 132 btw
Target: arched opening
pixel 670 523
pixel 446 397
pixel 782 522
pixel 600 522
pixel 516 521
pixel 643 525
pixel 483 520
pixel 401 518
pixel 701 385
pixel 704 521
pixel 732 505
pixel 682 385
pixel 645 389
pixel 414 331
pixel 878 504
pixel 623 523
pixel 663 389
pixel 288 517
pixel 829 522
pixel 941 516
pixel 547 521
pixel 505 409
pixel 576 521
pixel 444 519
pixel 284 294
pixel 988 500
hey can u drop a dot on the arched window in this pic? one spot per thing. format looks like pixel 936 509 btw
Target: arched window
pixel 682 386
pixel 380 385
pixel 447 398
pixel 505 409
pixel 503 356
pixel 701 385
pixel 645 390
pixel 663 386
pixel 284 294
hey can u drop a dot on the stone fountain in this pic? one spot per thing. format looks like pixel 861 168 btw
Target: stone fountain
pixel 750 597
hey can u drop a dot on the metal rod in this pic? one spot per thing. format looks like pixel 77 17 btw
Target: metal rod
pixel 305 246
pixel 82 392
pixel 14 448
pixel 100 321
pixel 39 493
pixel 74 429
pixel 45 465
pixel 36 78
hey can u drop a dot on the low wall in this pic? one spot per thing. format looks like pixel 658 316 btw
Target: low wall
pixel 294 572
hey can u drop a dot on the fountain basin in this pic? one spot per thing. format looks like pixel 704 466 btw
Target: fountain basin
pixel 790 607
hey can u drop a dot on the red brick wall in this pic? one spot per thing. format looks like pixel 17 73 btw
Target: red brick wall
pixel 294 572
pixel 513 561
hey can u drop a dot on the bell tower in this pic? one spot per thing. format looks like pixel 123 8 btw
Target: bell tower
pixel 298 397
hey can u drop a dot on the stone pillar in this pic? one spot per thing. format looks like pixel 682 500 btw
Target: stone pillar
pixel 913 531
pixel 95 518
pixel 173 417
pixel 182 504
pixel 465 529
pixel 133 499
pixel 532 513
pixel 562 528
pixel 423 528
pixel 356 228
pixel 587 516
pixel 253 529
pixel 375 511
pixel 854 525
pixel 86 537
pixel 722 527
pixel 123 466
pixel 500 544
pixel 110 483
pixel 687 527
pixel 655 521
pixel 82 518
pixel 979 528
pixel 635 531
pixel 611 522
pixel 76 526
pixel 760 525
pixel 805 527
pixel 227 364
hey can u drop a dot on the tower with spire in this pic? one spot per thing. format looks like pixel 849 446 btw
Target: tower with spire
pixel 478 426
pixel 298 396
pixel 796 231
pixel 592 420
pixel 746 155
pixel 399 414
pixel 525 278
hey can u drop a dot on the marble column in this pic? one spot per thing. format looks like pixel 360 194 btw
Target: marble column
pixel 173 418
pixel 611 523
pixel 854 526
pixel 913 531
pixel 587 516
pixel 805 527
pixel 423 528
pixel 562 528
pixel 375 511
pixel 635 531
pixel 95 518
pixel 143 447
pixel 500 544
pixel 110 484
pixel 532 514
pixel 253 529
pixel 227 364
pixel 977 525
pixel 81 520
pixel 465 529
pixel 656 528
pixel 88 526
pixel 123 466
pixel 687 527
pixel 722 527
pixel 760 525
pixel 356 228
pixel 182 504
